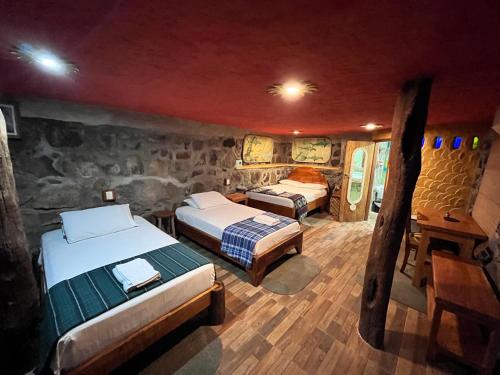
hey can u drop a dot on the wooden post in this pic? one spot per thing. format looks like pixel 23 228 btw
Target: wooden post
pixel 18 291
pixel 217 311
pixel 410 116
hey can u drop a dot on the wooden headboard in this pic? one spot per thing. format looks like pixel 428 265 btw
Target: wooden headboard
pixel 308 174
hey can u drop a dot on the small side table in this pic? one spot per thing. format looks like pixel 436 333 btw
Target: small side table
pixel 238 198
pixel 169 217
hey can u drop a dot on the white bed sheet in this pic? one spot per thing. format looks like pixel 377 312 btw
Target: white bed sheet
pixel 309 194
pixel 214 220
pixel 62 261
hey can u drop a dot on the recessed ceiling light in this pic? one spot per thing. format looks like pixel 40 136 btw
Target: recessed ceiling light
pixel 292 90
pixel 44 59
pixel 371 126
pixel 296 132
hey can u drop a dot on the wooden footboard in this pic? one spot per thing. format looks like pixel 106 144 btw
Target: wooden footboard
pixel 287 211
pixel 212 300
pixel 260 262
pixel 272 207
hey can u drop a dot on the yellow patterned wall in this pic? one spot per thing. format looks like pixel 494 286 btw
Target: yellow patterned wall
pixel 449 178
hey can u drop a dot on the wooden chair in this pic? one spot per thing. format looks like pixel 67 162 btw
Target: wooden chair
pixel 412 241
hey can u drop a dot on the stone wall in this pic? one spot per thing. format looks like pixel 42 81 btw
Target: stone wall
pixel 68 153
pixel 62 166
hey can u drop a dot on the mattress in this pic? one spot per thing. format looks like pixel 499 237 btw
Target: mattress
pixel 309 194
pixel 63 261
pixel 214 220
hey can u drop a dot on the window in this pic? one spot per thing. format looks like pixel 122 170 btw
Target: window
pixel 438 141
pixel 475 142
pixel 357 177
pixel 457 141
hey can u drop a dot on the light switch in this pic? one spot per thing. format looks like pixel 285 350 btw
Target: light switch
pixel 227 182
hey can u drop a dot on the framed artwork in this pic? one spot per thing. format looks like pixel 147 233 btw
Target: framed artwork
pixel 9 114
pixel 257 149
pixel 312 150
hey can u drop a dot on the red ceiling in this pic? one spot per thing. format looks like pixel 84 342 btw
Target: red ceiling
pixel 212 60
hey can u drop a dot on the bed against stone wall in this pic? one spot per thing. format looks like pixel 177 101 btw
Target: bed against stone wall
pixel 62 166
pixel 67 155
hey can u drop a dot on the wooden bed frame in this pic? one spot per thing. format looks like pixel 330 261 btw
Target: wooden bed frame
pixel 260 262
pixel 211 300
pixel 300 174
pixel 287 211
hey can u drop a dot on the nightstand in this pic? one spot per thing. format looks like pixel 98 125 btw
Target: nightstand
pixel 238 198
pixel 169 217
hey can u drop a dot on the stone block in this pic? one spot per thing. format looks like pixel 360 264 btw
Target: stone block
pixel 229 142
pixel 183 155
pixel 64 135
pixel 63 194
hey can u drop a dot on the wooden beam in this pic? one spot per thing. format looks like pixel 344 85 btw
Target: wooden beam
pixel 408 124
pixel 18 291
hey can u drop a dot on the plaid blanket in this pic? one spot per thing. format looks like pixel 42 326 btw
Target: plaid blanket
pixel 299 201
pixel 239 239
pixel 72 302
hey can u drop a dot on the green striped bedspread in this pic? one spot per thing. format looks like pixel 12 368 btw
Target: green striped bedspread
pixel 72 302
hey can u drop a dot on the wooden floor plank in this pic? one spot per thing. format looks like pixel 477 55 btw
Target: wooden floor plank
pixel 314 331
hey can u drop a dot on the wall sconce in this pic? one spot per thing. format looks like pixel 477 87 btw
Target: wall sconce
pixel 108 195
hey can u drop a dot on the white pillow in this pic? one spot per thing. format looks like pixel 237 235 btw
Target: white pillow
pixel 190 202
pixel 209 199
pixel 312 186
pixel 291 183
pixel 96 222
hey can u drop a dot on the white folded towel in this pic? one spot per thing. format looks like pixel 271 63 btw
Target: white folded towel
pixel 267 220
pixel 135 274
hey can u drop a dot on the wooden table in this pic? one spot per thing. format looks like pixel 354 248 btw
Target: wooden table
pixel 238 198
pixel 433 225
pixel 168 216
pixel 464 311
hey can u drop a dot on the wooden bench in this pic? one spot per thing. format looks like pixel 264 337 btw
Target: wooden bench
pixel 464 311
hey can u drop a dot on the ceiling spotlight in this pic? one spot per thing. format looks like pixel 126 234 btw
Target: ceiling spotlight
pixel 371 126
pixel 44 59
pixel 296 132
pixel 292 90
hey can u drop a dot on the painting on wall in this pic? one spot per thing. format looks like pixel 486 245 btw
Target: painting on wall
pixel 311 150
pixel 257 149
pixel 9 115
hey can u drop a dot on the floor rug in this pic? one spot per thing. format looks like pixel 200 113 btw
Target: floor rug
pixel 317 220
pixel 292 274
pixel 403 290
pixel 204 359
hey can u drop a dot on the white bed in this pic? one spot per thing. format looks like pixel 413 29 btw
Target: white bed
pixel 214 220
pixel 62 261
pixel 310 194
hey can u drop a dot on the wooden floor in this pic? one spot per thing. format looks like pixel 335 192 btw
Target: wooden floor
pixel 311 332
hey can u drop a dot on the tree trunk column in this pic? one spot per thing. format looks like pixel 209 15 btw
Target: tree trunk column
pixel 408 124
pixel 18 291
